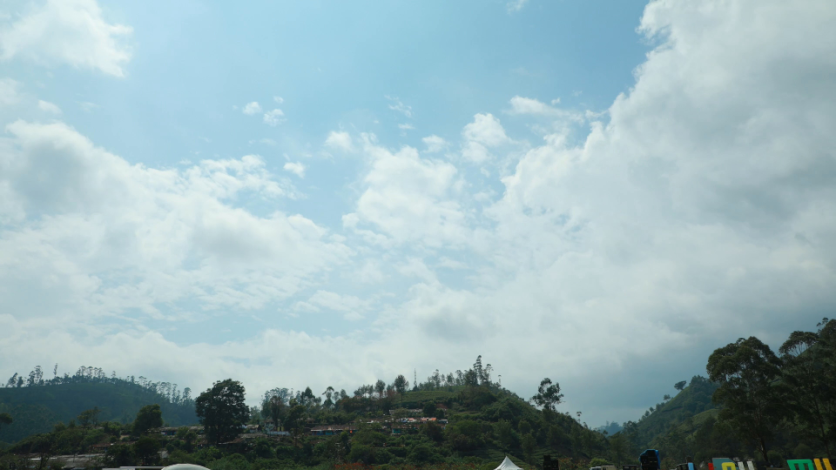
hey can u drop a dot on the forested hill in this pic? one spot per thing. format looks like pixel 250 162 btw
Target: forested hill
pixel 36 404
pixel 690 404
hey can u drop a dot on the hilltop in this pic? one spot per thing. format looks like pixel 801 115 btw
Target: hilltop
pixel 36 405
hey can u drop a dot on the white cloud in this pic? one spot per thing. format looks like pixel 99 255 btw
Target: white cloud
pixel 252 108
pixel 296 168
pixel 48 107
pixel 81 216
pixel 483 133
pixel 486 130
pixel 515 5
pixel 340 140
pixel 405 127
pixel 409 198
pixel 434 143
pixel 278 99
pixel 67 31
pixel 274 117
pixel 9 94
pixel 397 105
pixel 523 106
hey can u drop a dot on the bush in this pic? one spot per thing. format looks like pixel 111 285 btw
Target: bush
pixel 432 431
pixel 465 435
pixel 397 451
pixel 598 461
pixel 361 453
pixel 383 456
pixel 422 453
pixel 285 452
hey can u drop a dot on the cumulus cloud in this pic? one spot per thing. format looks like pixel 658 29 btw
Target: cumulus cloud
pixel 296 168
pixel 434 143
pixel 67 32
pixel 278 99
pixel 274 117
pixel 84 215
pixel 252 108
pixel 484 133
pixel 485 129
pixel 409 198
pixel 48 107
pixel 530 106
pixel 339 140
pixel 406 127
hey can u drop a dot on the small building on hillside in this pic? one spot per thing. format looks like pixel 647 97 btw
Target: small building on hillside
pixel 332 429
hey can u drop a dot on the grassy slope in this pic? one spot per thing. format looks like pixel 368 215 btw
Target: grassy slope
pixel 37 409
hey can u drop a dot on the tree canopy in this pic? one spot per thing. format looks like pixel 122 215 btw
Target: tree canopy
pixel 222 410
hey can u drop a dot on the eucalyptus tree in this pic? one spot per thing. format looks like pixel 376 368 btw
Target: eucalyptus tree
pixel 748 373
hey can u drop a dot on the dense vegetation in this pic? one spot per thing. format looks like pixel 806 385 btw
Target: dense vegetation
pixel 755 405
pixel 37 404
pixel 757 402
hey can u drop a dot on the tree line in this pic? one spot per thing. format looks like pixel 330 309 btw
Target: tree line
pixel 166 390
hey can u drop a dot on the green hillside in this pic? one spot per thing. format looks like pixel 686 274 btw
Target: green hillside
pixel 36 409
pixel 692 401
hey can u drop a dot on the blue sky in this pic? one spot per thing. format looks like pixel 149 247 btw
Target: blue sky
pixel 327 193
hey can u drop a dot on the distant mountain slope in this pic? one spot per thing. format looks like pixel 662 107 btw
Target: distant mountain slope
pixel 35 409
pixel 691 402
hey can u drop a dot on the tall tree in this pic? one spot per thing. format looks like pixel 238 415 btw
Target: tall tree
pixel 811 396
pixel 827 353
pixel 43 445
pixel 274 408
pixel 295 419
pixel 147 450
pixel 147 418
pixel 548 394
pixel 752 402
pixel 222 410
pixel 471 378
pixel 680 385
pixel 477 367
pixel 90 417
pixel 401 384
pixel 619 447
pixel 380 387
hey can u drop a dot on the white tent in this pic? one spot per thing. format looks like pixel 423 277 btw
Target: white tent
pixel 507 465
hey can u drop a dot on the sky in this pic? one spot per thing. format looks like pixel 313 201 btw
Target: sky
pixel 323 193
